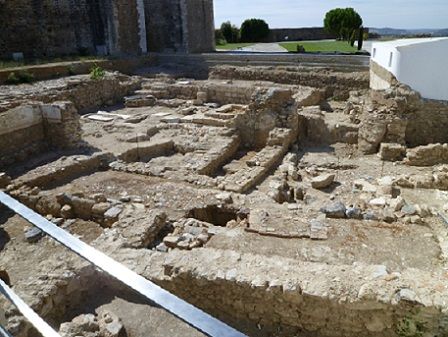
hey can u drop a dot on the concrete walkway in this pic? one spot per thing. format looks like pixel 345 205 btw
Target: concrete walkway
pixel 265 48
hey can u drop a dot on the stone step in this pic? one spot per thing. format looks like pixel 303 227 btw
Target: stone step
pixel 223 116
pixel 203 120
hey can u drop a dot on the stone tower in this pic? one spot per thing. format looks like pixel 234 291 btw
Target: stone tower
pixel 48 28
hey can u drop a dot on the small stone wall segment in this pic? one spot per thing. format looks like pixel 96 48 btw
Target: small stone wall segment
pixel 380 78
pixel 64 169
pixel 21 134
pixel 399 115
pixel 245 288
pixel 30 129
pixel 335 83
pixel 85 93
pixel 61 124
pixel 59 69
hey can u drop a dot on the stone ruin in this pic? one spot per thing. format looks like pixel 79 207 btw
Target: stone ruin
pixel 285 201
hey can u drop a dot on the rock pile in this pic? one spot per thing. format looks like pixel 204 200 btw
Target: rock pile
pixel 88 325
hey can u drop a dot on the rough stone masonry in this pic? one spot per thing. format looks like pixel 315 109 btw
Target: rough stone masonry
pixel 47 28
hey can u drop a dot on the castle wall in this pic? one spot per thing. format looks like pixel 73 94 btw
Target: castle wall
pixel 47 28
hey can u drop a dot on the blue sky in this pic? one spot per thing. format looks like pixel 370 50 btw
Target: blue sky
pixel 308 13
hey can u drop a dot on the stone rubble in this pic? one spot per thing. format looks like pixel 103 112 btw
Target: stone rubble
pixel 283 208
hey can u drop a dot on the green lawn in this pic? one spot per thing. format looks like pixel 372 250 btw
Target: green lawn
pixel 320 46
pixel 233 46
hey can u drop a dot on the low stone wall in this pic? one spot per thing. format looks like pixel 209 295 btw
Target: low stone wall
pixel 55 70
pixel 399 115
pixel 30 129
pixel 335 83
pixel 246 288
pixel 86 94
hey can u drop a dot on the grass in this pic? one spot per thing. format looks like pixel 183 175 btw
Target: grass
pixel 15 64
pixel 320 46
pixel 233 46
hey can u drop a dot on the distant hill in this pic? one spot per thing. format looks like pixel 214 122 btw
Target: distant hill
pixel 402 32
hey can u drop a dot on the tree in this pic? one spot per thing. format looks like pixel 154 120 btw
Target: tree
pixel 230 32
pixel 254 30
pixel 361 38
pixel 219 38
pixel 343 22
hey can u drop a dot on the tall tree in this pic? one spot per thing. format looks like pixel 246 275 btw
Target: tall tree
pixel 230 32
pixel 343 22
pixel 254 30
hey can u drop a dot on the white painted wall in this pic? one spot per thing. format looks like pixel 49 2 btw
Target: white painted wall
pixel 420 63
pixel 19 118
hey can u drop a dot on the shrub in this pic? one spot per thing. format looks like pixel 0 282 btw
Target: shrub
pixel 254 30
pixel 71 71
pixel 97 73
pixel 22 76
pixel 219 38
pixel 301 49
pixel 411 326
pixel 12 79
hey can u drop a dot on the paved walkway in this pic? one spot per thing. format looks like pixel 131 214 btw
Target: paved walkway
pixel 265 48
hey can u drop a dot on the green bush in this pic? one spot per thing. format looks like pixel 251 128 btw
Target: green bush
pixel 97 73
pixel 12 79
pixel 254 30
pixel 301 49
pixel 22 76
pixel 71 70
pixel 411 327
pixel 219 38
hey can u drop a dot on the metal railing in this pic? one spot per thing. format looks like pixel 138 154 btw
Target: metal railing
pixel 178 307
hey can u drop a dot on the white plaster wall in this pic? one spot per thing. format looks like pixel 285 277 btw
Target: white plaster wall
pixel 381 54
pixel 424 67
pixel 421 63
pixel 19 118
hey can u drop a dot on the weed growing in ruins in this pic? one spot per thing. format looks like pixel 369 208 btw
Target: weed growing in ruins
pixel 411 327
pixel 71 71
pixel 97 73
pixel 21 77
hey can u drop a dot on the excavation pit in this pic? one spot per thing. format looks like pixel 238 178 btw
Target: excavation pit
pixel 208 188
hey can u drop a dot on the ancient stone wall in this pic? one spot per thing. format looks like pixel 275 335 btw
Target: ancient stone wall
pixel 180 25
pixel 335 83
pixel 44 28
pixel 399 115
pixel 200 34
pixel 21 134
pixel 164 26
pixel 30 129
pixel 371 307
pixel 85 93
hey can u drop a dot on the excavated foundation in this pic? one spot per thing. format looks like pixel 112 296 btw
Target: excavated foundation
pixel 270 206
